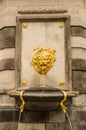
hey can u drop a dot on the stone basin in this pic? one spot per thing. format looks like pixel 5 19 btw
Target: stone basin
pixel 42 100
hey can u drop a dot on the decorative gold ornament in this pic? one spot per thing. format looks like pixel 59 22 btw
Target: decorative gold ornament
pixel 23 101
pixel 25 25
pixel 21 93
pixel 62 82
pixel 43 59
pixel 63 107
pixel 24 82
pixel 61 25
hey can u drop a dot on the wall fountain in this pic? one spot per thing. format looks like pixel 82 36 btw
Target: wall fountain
pixel 43 62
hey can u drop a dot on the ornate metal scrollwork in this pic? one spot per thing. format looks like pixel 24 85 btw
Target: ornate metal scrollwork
pixel 43 59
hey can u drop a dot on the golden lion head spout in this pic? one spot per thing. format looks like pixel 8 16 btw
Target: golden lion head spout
pixel 43 59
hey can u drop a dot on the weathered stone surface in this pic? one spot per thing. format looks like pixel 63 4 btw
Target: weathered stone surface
pixel 78 31
pixel 5 100
pixel 82 116
pixel 7 64
pixel 79 53
pixel 7 53
pixel 79 81
pixel 17 3
pixel 43 2
pixel 9 114
pixel 9 14
pixel 42 10
pixel 1 4
pixel 7 79
pixel 67 126
pixel 42 117
pixel 52 126
pixel 61 126
pixel 73 114
pixel 80 100
pixel 78 42
pixel 8 126
pixel 7 37
pixel 57 116
pixel 31 126
pixel 78 65
pixel 34 117
pixel 81 127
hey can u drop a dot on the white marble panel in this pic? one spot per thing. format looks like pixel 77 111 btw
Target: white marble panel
pixel 45 35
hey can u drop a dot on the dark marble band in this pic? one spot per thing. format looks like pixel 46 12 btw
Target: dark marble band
pixel 79 64
pixel 78 31
pixel 7 64
pixel 7 37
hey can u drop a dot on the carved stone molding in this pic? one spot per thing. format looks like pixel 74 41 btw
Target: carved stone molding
pixel 42 10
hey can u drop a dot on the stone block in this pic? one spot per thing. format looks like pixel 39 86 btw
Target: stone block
pixel 12 3
pixel 7 64
pixel 52 126
pixel 79 65
pixel 57 116
pixel 8 126
pixel 61 126
pixel 80 100
pixel 79 81
pixel 81 127
pixel 8 16
pixel 34 117
pixel 84 2
pixel 79 42
pixel 79 53
pixel 78 31
pixel 73 114
pixel 82 116
pixel 6 101
pixel 8 114
pixel 67 127
pixel 7 37
pixel 7 53
pixel 7 80
pixel 31 126
pixel 43 2
pixel 2 4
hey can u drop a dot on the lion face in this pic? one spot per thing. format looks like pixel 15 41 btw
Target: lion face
pixel 43 59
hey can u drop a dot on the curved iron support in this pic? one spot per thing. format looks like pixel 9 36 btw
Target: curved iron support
pixel 63 107
pixel 21 98
pixel 23 101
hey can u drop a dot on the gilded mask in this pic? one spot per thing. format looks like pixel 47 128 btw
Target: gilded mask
pixel 43 59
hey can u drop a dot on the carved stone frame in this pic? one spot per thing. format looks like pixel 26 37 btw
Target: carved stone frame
pixel 39 18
